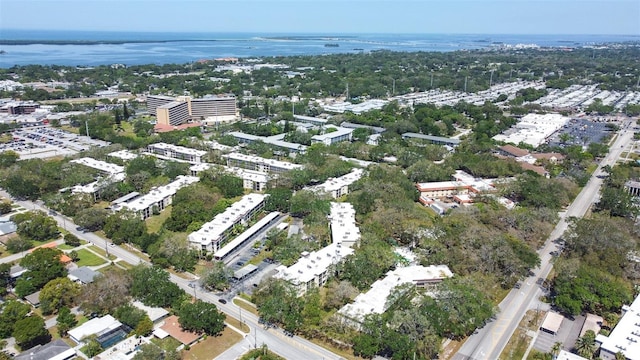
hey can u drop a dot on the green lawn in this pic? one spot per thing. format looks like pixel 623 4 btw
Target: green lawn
pixel 167 343
pixel 246 306
pixel 87 258
pixel 101 251
pixel 212 346
pixel 154 223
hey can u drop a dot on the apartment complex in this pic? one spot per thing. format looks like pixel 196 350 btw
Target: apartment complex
pixel 213 235
pixel 174 152
pixel 339 186
pixel 313 269
pixel 155 101
pixel 257 163
pixel 251 179
pixel 374 301
pixel 343 224
pixel 436 140
pixel 461 184
pixel 103 167
pixel 158 198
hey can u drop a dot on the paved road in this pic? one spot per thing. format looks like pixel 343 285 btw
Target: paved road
pixel 288 347
pixel 489 342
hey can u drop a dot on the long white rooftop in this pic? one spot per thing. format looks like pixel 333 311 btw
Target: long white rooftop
pixel 334 184
pixel 263 161
pixel 533 129
pixel 178 149
pixel 312 265
pixel 625 337
pixel 94 326
pixel 374 301
pixel 244 174
pixel 123 154
pixel 343 224
pixel 160 193
pixel 99 165
pixel 213 230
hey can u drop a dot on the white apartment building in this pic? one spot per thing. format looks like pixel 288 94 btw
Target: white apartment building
pixel 374 301
pixel 174 152
pixel 104 167
pixel 625 336
pixel 124 155
pixel 339 186
pixel 159 197
pixel 254 180
pixel 343 224
pixel 257 163
pixel 314 268
pixel 213 235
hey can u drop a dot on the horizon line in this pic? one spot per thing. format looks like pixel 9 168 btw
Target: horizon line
pixel 306 32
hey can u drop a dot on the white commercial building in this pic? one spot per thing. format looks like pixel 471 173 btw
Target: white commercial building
pixel 257 163
pixel 625 336
pixel 177 153
pixel 314 268
pixel 251 179
pixel 533 129
pixel 374 301
pixel 102 166
pixel 343 224
pixel 159 197
pixel 94 187
pixel 339 135
pixel 212 235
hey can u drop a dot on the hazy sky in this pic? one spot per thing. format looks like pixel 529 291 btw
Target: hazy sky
pixel 328 16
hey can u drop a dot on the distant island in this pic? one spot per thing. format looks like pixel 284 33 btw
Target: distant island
pixel 91 42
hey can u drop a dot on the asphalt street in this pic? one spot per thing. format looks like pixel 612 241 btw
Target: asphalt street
pixel 489 341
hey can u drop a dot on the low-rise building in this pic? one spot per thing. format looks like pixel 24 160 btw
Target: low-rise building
pixel 339 135
pixel 83 275
pixel 213 234
pixel 253 180
pixel 339 186
pixel 625 337
pixel 257 163
pixel 103 327
pixel 437 140
pixel 343 224
pixel 313 269
pixel 159 197
pixel 55 350
pixel 374 301
pixel 177 153
pixel 124 155
pixel 104 167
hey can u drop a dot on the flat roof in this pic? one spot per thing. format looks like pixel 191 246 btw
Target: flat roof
pixel 177 149
pixel 171 104
pixel 339 132
pixel 123 154
pixel 154 313
pixel 533 129
pixel 212 231
pixel 432 138
pixel 333 184
pixel 244 271
pixel 626 335
pixel 343 224
pixel 310 265
pixel 99 165
pixel 160 193
pixel 374 301
pixel 233 244
pixel 94 326
pixel 552 322
pixel 263 161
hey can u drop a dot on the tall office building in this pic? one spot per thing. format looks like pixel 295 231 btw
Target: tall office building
pixel 174 113
pixel 155 101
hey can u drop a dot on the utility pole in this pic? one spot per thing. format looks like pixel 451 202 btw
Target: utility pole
pixel 347 92
pixel 86 125
pixel 393 91
pixel 431 86
pixel 465 83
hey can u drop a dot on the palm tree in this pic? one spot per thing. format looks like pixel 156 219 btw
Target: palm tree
pixel 555 350
pixel 586 344
pixel 620 356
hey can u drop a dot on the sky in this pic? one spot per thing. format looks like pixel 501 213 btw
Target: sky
pixel 606 17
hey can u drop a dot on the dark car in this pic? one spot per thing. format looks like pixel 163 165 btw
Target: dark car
pixel 517 285
pixel 222 301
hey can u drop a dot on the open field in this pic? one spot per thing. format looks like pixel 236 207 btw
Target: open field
pixel 212 346
pixel 87 258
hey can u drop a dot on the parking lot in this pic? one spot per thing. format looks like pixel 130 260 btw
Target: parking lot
pixel 582 132
pixel 43 142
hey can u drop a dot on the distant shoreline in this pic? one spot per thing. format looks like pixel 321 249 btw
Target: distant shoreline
pixel 92 42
